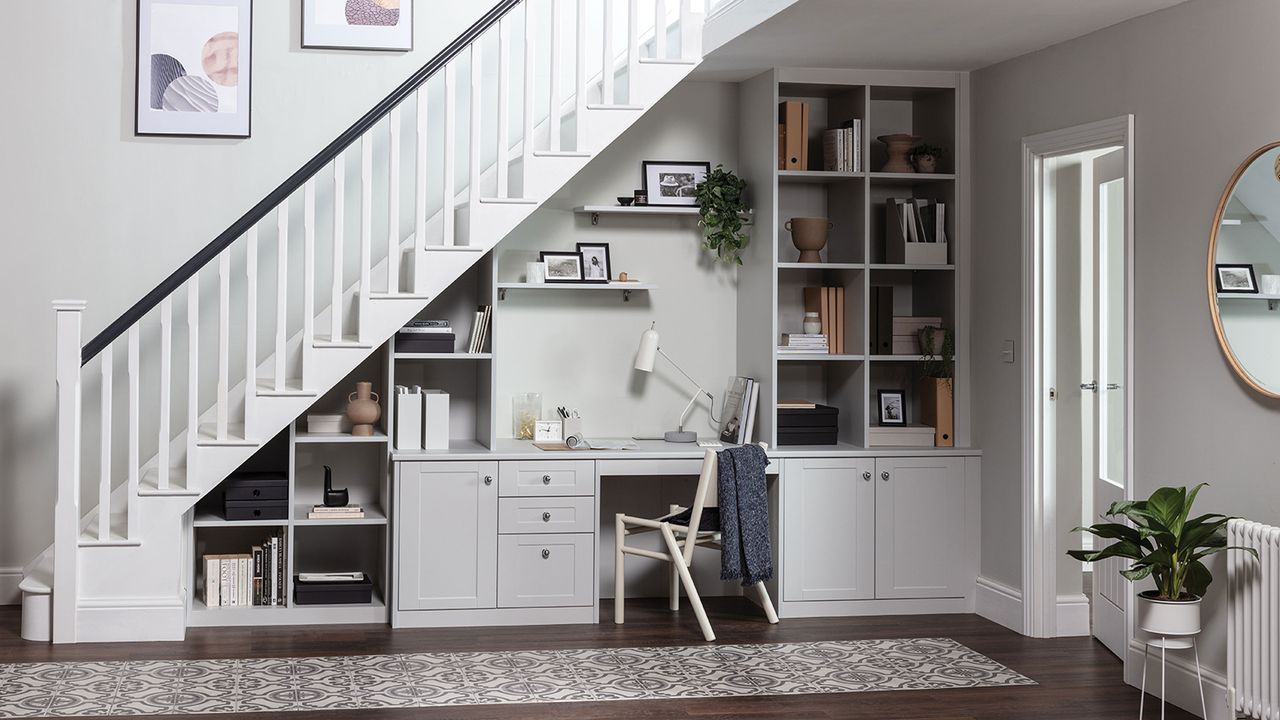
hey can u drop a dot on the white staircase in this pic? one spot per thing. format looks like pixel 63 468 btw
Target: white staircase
pixel 172 397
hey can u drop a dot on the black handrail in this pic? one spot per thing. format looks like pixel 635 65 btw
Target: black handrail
pixel 291 185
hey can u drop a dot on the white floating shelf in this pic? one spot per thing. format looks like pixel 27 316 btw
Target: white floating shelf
pixel 1247 296
pixel 307 437
pixel 636 210
pixel 443 356
pixel 626 287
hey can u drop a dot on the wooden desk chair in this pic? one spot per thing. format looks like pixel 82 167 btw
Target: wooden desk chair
pixel 679 540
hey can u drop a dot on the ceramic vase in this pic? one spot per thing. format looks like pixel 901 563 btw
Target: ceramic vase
pixel 809 235
pixel 363 409
pixel 1168 617
pixel 899 146
pixel 926 164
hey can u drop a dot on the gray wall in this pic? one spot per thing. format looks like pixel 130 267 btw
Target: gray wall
pixel 1198 78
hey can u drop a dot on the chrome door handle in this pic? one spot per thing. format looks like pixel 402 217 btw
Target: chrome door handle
pixel 545 553
pixel 488 479
pixel 866 475
pixel 546 517
pixel 1090 386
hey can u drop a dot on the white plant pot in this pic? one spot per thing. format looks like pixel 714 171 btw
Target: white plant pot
pixel 1168 617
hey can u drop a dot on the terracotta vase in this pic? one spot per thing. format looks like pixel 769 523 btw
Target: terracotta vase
pixel 809 236
pixel 363 409
pixel 899 146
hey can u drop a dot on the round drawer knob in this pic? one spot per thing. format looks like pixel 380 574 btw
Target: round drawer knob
pixel 488 479
pixel 866 475
pixel 885 476
pixel 546 517
pixel 256 493
pixel 546 479
pixel 545 553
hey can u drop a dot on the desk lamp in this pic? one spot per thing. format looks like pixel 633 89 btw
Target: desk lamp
pixel 646 355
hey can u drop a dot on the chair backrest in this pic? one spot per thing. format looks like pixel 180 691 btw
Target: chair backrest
pixel 707 495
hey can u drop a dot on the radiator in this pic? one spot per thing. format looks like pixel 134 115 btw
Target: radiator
pixel 1253 621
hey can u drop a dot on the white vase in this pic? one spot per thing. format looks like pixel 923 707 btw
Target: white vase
pixel 1168 618
pixel 812 323
pixel 1270 284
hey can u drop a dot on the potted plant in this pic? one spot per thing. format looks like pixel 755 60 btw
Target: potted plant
pixel 924 157
pixel 723 209
pixel 937 379
pixel 1168 546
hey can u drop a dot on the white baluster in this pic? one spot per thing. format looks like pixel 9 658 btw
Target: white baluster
pixel 104 469
pixel 135 412
pixel 580 80
pixel 606 71
pixel 393 201
pixel 308 281
pixel 224 344
pixel 633 48
pixel 282 294
pixel 339 230
pixel 166 387
pixel 553 110
pixel 504 111
pixel 530 75
pixel 686 30
pixel 250 325
pixel 366 232
pixel 450 139
pixel 660 29
pixel 473 146
pixel 66 513
pixel 420 196
pixel 193 376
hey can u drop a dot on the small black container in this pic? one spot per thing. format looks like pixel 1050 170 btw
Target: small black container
pixel 808 436
pixel 255 509
pixel 359 592
pixel 256 486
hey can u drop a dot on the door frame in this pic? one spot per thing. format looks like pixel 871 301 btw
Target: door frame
pixel 1039 492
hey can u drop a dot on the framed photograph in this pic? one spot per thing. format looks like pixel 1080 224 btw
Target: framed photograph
pixel 893 407
pixel 194 68
pixel 595 262
pixel 357 24
pixel 1236 279
pixel 673 183
pixel 562 267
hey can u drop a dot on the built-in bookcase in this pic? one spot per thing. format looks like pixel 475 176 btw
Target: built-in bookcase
pixel 930 105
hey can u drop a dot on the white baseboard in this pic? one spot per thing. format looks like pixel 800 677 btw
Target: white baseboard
pixel 1180 682
pixel 1073 615
pixel 10 578
pixel 131 620
pixel 999 603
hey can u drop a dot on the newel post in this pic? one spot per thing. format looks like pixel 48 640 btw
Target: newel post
pixel 66 509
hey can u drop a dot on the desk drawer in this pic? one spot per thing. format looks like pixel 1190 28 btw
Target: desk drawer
pixel 546 515
pixel 547 477
pixel 545 570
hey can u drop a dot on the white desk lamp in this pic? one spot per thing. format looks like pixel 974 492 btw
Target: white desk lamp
pixel 646 355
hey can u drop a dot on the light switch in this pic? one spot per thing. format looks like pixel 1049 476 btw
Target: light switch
pixel 1006 351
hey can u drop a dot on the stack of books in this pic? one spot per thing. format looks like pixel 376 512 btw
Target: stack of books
pixel 479 329
pixel 842 148
pixel 252 579
pixel 801 422
pixel 343 512
pixel 426 336
pixel 803 344
pixel 739 411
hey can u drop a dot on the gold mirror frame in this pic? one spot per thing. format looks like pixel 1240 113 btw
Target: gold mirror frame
pixel 1213 256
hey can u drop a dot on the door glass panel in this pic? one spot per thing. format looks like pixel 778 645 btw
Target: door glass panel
pixel 1111 313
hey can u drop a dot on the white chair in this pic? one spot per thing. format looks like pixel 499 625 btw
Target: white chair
pixel 679 541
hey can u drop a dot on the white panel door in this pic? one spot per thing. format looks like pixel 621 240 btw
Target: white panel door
pixel 920 527
pixel 829 529
pixel 447 522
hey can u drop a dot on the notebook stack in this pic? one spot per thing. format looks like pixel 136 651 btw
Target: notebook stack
pixel 803 344
pixel 426 336
pixel 342 512
pixel 805 423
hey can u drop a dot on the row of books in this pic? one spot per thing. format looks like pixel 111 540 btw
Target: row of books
pixel 479 329
pixel 804 344
pixel 919 220
pixel 829 304
pixel 842 148
pixel 341 512
pixel 738 421
pixel 255 578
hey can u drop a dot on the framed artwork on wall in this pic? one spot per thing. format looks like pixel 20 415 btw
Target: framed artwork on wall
pixel 357 24
pixel 673 183
pixel 194 68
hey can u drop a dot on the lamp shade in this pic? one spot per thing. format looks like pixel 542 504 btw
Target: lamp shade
pixel 647 353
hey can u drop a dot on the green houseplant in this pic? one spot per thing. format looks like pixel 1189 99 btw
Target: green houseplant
pixel 924 157
pixel 723 209
pixel 1167 545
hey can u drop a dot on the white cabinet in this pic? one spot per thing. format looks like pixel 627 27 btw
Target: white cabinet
pixel 447 528
pixel 829 546
pixel 921 540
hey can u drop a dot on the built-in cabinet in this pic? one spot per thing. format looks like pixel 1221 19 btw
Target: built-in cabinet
pixel 447 533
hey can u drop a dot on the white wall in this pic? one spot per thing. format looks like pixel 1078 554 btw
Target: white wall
pixel 92 212
pixel 1195 78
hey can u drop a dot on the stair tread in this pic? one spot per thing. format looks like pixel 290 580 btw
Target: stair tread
pixel 292 388
pixel 614 106
pixel 399 296
pixel 148 485
pixel 117 533
pixel 38 579
pixel 346 341
pixel 668 61
pixel 208 436
pixel 561 153
pixel 509 201
pixel 454 248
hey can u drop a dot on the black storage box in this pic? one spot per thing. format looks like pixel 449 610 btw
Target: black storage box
pixel 820 416
pixel 256 486
pixel 808 436
pixel 359 592
pixel 255 509
pixel 425 342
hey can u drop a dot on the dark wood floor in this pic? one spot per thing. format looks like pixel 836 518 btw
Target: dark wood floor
pixel 1077 677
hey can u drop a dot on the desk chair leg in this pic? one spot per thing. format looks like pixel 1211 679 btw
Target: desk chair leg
pixel 619 578
pixel 678 560
pixel 770 614
pixel 674 578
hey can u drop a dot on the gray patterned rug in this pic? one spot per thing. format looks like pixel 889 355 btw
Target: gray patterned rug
pixel 537 676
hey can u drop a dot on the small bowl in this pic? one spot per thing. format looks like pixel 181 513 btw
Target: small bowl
pixel 625 201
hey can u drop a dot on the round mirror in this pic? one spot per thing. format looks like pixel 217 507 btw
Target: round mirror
pixel 1244 271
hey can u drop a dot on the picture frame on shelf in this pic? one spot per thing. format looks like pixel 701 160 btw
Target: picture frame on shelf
pixel 893 407
pixel 672 182
pixel 194 68
pixel 562 267
pixel 596 267
pixel 385 25
pixel 1235 278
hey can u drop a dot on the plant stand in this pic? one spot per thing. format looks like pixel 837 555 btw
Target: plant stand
pixel 1166 643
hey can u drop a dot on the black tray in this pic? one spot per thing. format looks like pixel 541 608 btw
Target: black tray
pixel 359 592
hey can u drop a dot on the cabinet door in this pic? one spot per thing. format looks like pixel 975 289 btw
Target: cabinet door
pixel 447 529
pixel 920 528
pixel 828 543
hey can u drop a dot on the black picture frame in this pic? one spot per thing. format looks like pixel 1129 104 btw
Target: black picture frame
pixel 884 400
pixel 546 255
pixel 650 173
pixel 1252 288
pixel 585 250
pixel 309 30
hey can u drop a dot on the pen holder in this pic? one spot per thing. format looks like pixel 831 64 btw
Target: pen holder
pixel 572 431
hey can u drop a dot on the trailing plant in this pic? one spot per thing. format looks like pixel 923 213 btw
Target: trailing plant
pixel 925 149
pixel 1163 543
pixel 938 362
pixel 722 207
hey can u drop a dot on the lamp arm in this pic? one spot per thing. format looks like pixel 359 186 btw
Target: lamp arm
pixel 698 392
